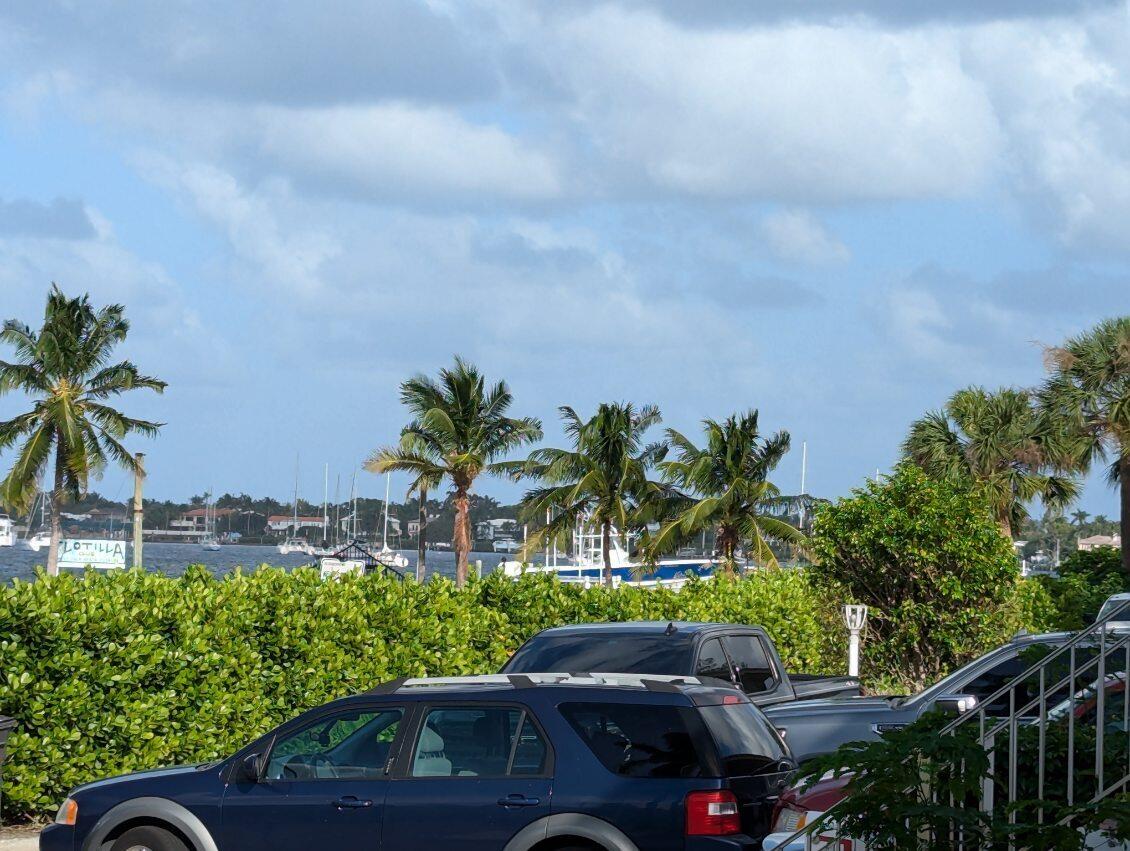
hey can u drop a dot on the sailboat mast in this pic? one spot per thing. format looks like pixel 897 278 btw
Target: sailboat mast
pixel 326 506
pixel 384 534
pixel 296 463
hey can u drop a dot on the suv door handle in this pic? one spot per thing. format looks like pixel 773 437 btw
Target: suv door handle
pixel 349 802
pixel 518 800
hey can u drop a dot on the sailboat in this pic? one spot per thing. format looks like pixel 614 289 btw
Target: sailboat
pixel 387 555
pixel 41 540
pixel 295 544
pixel 209 542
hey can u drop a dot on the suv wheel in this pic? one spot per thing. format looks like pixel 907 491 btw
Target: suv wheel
pixel 148 839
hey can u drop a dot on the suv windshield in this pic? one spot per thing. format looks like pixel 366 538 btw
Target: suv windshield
pixel 609 654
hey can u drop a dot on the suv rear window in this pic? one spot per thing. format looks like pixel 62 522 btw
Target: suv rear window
pixel 608 654
pixel 638 740
pixel 747 744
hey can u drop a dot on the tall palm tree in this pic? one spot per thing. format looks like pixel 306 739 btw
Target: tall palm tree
pixel 724 486
pixel 603 477
pixel 1001 442
pixel 459 430
pixel 1089 389
pixel 65 367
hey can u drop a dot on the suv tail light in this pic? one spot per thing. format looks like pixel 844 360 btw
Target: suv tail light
pixel 713 813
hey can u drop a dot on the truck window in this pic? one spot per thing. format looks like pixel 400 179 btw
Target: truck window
pixel 712 661
pixel 747 652
pixel 592 652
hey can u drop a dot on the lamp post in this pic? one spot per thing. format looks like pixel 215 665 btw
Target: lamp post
pixel 855 618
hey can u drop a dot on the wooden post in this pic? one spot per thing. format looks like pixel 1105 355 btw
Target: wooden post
pixel 138 508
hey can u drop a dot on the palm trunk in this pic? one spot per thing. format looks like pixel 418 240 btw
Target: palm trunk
pixel 1006 526
pixel 606 545
pixel 422 548
pixel 462 538
pixel 1124 520
pixel 56 511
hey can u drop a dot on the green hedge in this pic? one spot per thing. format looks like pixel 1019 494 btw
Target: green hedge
pixel 109 673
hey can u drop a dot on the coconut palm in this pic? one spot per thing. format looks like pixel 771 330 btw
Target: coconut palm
pixel 724 486
pixel 65 367
pixel 1089 389
pixel 1001 442
pixel 603 477
pixel 459 430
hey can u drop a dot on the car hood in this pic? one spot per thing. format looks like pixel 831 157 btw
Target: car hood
pixel 151 774
pixel 838 705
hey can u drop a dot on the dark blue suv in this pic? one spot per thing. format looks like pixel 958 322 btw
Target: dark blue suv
pixel 537 762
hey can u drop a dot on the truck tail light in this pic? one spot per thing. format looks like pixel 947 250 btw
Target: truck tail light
pixel 713 813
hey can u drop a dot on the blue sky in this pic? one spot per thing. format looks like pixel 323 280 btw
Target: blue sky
pixel 835 211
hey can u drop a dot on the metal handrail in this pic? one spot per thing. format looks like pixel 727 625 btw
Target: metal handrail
pixel 1096 630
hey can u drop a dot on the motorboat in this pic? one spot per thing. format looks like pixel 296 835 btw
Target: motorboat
pixel 7 531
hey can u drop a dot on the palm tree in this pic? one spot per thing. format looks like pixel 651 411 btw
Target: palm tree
pixel 65 367
pixel 1089 389
pixel 458 431
pixel 724 486
pixel 1079 518
pixel 1000 442
pixel 603 477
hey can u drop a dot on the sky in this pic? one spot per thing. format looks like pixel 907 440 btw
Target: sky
pixel 835 211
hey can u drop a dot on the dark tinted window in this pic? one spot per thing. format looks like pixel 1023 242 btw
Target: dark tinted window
pixel 1007 671
pixel 746 742
pixel 478 742
pixel 754 671
pixel 712 661
pixel 351 744
pixel 608 654
pixel 637 740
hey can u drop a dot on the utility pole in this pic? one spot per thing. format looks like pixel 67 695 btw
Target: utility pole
pixel 138 507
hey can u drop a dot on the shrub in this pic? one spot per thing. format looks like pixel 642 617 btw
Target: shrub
pixel 928 558
pixel 110 673
pixel 1086 579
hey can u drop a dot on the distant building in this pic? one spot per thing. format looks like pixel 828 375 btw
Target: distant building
pixel 499 529
pixel 197 518
pixel 285 523
pixel 1096 541
pixel 413 526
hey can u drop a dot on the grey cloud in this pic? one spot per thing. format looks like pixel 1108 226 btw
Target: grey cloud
pixel 288 53
pixel 61 219
pixel 515 250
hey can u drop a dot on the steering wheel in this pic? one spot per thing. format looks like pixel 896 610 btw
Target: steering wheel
pixel 312 762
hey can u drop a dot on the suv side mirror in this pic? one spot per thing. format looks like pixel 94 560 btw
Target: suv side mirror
pixel 248 770
pixel 956 704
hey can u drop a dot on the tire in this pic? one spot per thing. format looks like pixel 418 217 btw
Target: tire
pixel 148 839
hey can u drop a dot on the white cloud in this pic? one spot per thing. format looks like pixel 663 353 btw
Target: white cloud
pixel 401 150
pixel 796 236
pixel 794 112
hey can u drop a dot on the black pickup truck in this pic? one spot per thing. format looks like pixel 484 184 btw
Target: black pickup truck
pixel 742 656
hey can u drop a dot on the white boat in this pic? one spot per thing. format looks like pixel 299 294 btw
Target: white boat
pixel 41 540
pixel 295 545
pixel 38 541
pixel 209 542
pixel 505 545
pixel 586 565
pixel 7 531
pixel 387 555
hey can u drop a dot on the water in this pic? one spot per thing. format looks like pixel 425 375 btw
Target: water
pixel 172 559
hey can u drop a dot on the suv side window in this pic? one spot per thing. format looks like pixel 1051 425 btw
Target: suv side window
pixel 747 652
pixel 712 661
pixel 347 745
pixel 479 741
pixel 637 740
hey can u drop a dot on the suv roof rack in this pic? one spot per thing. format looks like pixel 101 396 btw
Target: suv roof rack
pixel 651 682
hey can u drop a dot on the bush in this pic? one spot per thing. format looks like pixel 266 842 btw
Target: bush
pixel 110 673
pixel 1086 579
pixel 929 560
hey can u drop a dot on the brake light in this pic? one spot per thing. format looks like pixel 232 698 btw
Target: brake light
pixel 731 700
pixel 713 813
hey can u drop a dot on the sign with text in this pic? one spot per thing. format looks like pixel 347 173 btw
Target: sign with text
pixel 104 555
